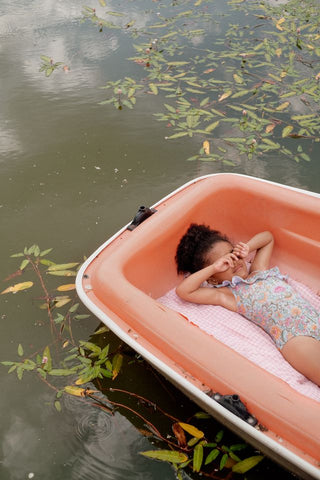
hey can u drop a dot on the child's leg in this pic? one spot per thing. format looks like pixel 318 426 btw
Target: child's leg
pixel 303 353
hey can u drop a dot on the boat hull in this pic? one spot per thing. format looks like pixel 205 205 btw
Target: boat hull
pixel 121 281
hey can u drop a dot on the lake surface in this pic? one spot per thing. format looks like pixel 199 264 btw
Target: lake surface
pixel 74 171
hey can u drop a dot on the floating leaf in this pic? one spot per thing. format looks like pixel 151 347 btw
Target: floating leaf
pixel 192 430
pixel 77 391
pixel 177 64
pixel 63 273
pixel 287 130
pixel 212 456
pixel 102 3
pixel 45 252
pixel 101 330
pixel 24 263
pixel 212 126
pixel 282 106
pixel 223 461
pixel 237 78
pixel 62 266
pixel 225 95
pixel 177 135
pixel 206 147
pixel 66 287
pixel 61 372
pixel 20 350
pixel 179 434
pixel 74 308
pixel 247 464
pixel 46 359
pixel 270 127
pixel 271 143
pixel 61 301
pixel 153 88
pixel 17 287
pixel 197 457
pixel 116 365
pixel 57 404
pixel 166 455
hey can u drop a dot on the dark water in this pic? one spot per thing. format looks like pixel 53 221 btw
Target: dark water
pixel 72 173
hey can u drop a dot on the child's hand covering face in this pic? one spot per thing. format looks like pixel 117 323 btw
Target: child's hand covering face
pixel 241 250
pixel 227 261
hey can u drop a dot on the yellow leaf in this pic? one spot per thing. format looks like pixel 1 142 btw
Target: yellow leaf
pixel 270 127
pixel 225 95
pixel 192 430
pixel 62 266
pixel 153 88
pixel 102 3
pixel 62 302
pixel 17 287
pixel 80 381
pixel 279 22
pixel 287 130
pixel 278 52
pixel 116 365
pixel 65 344
pixel 206 147
pixel 76 391
pixel 311 47
pixel 283 106
pixel 283 74
pixel 67 287
pixel 237 78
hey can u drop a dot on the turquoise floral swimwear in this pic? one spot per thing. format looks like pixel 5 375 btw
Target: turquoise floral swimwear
pixel 269 301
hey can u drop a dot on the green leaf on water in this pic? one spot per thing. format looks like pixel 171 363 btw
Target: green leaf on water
pixel 24 263
pixel 177 135
pixel 116 365
pixel 20 350
pixel 103 329
pixel 62 266
pixel 197 457
pixel 212 456
pixel 74 308
pixel 63 273
pixel 223 461
pixel 45 252
pixel 246 465
pixel 212 126
pixel 287 130
pixel 153 88
pixel 57 404
pixel 166 455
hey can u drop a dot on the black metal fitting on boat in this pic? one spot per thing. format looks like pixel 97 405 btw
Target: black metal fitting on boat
pixel 142 214
pixel 236 406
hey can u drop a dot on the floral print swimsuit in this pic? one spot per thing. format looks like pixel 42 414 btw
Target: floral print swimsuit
pixel 269 301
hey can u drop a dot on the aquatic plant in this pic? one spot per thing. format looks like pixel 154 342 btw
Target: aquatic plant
pixel 252 91
pixel 83 369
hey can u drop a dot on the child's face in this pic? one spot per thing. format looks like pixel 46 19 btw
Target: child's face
pixel 219 250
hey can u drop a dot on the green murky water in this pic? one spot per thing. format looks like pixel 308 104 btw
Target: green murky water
pixel 73 172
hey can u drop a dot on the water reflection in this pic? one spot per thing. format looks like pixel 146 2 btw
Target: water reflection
pixel 106 446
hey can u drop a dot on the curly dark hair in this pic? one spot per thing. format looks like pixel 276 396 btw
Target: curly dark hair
pixel 193 246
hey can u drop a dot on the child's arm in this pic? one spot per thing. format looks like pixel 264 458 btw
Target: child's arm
pixel 190 288
pixel 263 244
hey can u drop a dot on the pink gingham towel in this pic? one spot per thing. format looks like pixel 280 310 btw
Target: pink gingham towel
pixel 246 338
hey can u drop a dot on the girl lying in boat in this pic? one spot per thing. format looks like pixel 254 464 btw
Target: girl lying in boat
pixel 259 293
